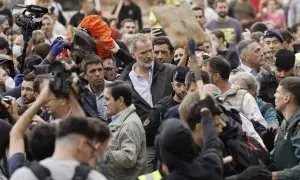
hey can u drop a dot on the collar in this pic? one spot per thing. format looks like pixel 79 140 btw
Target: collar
pixel 119 118
pixel 151 69
pixel 246 68
pixel 89 88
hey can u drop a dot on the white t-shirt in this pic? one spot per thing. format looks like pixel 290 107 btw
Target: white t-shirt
pixel 59 169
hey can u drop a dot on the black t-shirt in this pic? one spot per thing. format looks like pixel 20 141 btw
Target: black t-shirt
pixel 132 11
pixel 76 19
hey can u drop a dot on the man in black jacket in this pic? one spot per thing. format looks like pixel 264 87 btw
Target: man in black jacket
pixel 268 81
pixel 150 79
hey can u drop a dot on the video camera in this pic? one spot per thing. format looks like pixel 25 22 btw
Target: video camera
pixel 61 78
pixel 31 18
pixel 3 113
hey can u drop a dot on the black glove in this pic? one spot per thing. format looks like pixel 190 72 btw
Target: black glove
pixel 255 173
pixel 268 138
pixel 210 103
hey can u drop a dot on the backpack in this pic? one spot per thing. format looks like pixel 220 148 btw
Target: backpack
pixel 246 151
pixel 43 173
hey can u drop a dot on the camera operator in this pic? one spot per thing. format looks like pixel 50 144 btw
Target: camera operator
pixel 46 98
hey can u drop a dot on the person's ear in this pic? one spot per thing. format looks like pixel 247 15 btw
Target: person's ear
pixel 287 98
pixel 133 55
pixel 80 145
pixel 216 77
pixel 172 83
pixel 244 56
pixel 120 100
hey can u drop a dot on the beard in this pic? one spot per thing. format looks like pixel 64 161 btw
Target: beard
pixel 222 14
pixel 145 64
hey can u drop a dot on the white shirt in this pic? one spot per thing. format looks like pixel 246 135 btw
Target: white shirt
pixel 59 29
pixel 249 70
pixel 251 110
pixel 142 86
pixel 248 128
pixel 59 169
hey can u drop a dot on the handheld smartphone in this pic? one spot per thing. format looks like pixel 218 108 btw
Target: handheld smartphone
pixel 146 30
pixel 161 30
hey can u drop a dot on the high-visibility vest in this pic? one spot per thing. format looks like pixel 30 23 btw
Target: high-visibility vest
pixel 151 176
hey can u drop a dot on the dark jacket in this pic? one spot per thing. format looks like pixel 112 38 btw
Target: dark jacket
pixel 187 163
pixel 88 103
pixel 286 154
pixel 160 88
pixel 268 85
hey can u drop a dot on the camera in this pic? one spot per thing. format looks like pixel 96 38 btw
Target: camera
pixel 31 18
pixel 61 78
pixel 3 113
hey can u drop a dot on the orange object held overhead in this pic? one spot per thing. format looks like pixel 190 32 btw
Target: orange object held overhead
pixel 101 32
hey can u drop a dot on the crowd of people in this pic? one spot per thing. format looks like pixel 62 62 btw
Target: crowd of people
pixel 112 98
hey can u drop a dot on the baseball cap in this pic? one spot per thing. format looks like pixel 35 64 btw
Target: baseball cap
pixel 273 33
pixel 285 59
pixel 179 74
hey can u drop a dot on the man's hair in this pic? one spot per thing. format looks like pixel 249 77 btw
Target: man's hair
pixel 136 38
pixel 197 8
pixel 42 50
pixel 38 37
pixel 91 128
pixel 294 28
pixel 11 31
pixel 91 59
pixel 29 77
pixel 39 80
pixel 42 141
pixel 190 77
pixel 292 85
pixel 48 17
pixel 258 27
pixel 185 108
pixel 287 36
pixel 126 21
pixel 244 46
pixel 102 132
pixel 119 88
pixel 257 36
pixel 219 34
pixel 221 66
pixel 220 1
pixel 160 40
pixel 248 78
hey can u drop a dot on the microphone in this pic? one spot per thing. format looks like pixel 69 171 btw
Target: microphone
pixel 33 8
